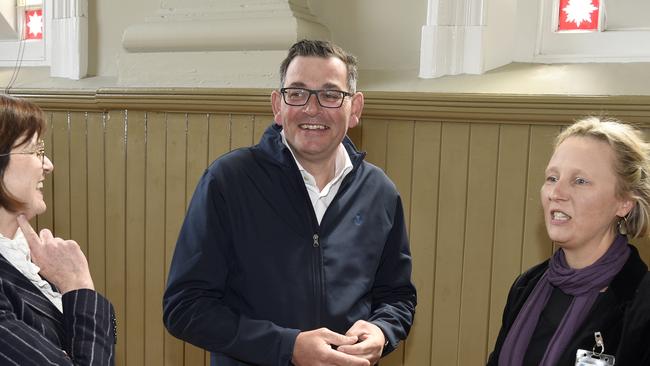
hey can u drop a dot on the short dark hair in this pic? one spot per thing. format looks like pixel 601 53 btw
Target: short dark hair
pixel 323 49
pixel 20 120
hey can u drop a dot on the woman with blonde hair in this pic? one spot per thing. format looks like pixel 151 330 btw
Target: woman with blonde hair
pixel 50 313
pixel 590 302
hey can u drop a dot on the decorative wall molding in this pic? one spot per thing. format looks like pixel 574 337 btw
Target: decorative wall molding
pixel 409 106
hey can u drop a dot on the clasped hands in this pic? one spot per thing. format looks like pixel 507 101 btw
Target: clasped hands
pixel 362 345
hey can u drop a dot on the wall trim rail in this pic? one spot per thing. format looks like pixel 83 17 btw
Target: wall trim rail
pixel 448 107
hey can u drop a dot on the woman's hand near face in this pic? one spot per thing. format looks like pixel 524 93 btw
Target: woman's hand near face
pixel 61 261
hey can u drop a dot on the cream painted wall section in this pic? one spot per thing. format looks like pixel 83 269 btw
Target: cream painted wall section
pixel 383 34
pixel 107 22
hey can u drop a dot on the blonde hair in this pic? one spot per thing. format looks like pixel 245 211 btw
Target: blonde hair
pixel 631 164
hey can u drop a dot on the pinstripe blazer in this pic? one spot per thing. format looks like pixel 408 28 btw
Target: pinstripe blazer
pixel 34 332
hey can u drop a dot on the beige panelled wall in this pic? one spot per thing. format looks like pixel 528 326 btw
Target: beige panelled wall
pixel 468 167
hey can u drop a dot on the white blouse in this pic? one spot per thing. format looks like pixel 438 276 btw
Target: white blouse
pixel 16 251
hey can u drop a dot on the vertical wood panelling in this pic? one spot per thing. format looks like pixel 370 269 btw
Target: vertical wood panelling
pixel 424 210
pixel 374 135
pixel 399 158
pixel 174 209
pixel 115 222
pixel 154 346
pixel 61 175
pixel 479 226
pixel 135 238
pixel 96 200
pixel 399 161
pixel 449 253
pixel 197 156
pixel 218 136
pixel 78 181
pixel 242 127
pixel 123 180
pixel 46 219
pixel 509 214
pixel 536 245
pixel 262 122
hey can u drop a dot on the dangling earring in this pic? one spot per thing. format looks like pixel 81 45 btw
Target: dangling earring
pixel 622 225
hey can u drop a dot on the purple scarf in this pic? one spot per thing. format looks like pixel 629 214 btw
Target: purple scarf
pixel 584 284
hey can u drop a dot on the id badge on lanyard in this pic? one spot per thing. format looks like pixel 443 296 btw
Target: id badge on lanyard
pixel 593 357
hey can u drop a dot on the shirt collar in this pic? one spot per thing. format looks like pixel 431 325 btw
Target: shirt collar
pixel 342 164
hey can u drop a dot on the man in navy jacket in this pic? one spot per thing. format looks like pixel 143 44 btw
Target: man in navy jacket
pixel 294 251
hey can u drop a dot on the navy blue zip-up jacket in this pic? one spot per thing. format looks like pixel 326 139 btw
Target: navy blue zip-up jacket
pixel 252 267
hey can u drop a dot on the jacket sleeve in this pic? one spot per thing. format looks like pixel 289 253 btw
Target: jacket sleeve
pixel 393 293
pixel 194 308
pixel 88 338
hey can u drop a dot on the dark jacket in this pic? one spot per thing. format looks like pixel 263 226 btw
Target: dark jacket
pixel 621 314
pixel 34 332
pixel 252 267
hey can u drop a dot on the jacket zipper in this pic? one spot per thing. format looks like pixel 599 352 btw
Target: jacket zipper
pixel 317 270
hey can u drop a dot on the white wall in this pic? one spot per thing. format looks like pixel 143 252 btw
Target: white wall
pixel 383 34
pixel 107 22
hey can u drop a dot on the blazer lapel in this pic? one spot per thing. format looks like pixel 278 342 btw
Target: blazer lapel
pixel 29 293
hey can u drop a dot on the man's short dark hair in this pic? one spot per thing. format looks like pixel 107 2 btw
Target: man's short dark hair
pixel 325 49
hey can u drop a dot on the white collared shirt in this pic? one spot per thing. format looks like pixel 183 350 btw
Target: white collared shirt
pixel 321 200
pixel 17 252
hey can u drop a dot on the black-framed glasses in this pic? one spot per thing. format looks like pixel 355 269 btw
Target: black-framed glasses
pixel 327 98
pixel 39 150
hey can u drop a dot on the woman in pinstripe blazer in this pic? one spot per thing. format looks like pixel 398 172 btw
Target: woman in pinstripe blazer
pixel 49 311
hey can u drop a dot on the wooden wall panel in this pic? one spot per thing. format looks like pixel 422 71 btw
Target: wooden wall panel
pixel 424 211
pixel 154 346
pixel 46 219
pixel 375 137
pixel 469 184
pixel 176 147
pixel 536 246
pixel 61 181
pixel 78 180
pixel 115 165
pixel 477 248
pixel 135 237
pixel 197 160
pixel 96 199
pixel 510 204
pixel 399 164
pixel 454 154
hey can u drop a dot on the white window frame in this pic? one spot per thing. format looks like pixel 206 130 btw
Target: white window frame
pixel 577 47
pixel 36 52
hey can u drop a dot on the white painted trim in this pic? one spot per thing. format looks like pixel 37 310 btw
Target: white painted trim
pixel 70 35
pixel 576 47
pixel 36 52
pixel 456 48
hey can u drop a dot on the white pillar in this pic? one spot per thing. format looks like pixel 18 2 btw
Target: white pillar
pixel 467 36
pixel 69 39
